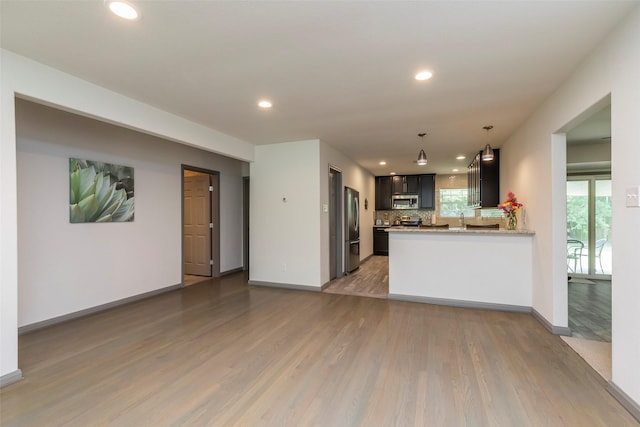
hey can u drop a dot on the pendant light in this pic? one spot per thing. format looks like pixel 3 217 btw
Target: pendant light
pixel 422 157
pixel 487 153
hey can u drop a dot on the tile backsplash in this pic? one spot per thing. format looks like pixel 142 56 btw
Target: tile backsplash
pixel 442 181
pixel 414 213
pixel 423 214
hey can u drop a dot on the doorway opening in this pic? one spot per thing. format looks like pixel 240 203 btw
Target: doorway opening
pixel 589 246
pixel 335 223
pixel 200 225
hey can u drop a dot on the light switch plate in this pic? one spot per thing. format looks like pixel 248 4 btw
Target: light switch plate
pixel 633 196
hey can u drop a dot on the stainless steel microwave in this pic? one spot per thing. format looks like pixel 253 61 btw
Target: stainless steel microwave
pixel 404 201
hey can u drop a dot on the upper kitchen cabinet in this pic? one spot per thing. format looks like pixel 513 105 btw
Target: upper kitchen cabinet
pixel 421 185
pixel 383 193
pixel 405 184
pixel 427 185
pixel 483 181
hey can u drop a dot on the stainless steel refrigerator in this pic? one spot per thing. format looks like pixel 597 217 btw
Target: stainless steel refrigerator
pixel 352 229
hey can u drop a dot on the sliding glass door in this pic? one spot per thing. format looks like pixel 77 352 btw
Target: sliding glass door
pixel 589 225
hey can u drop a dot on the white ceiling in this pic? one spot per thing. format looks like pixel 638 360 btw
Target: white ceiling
pixel 340 71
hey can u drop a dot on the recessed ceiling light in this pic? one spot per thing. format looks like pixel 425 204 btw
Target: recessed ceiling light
pixel 455 170
pixel 460 158
pixel 392 173
pixel 123 9
pixel 382 163
pixel 424 75
pixel 265 104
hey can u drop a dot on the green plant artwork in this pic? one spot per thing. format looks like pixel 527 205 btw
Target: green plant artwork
pixel 100 192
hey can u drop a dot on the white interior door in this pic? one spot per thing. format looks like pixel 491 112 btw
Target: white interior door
pixel 197 228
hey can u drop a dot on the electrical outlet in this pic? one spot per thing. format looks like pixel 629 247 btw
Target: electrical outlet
pixel 284 266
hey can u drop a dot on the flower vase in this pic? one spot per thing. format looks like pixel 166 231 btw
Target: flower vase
pixel 512 221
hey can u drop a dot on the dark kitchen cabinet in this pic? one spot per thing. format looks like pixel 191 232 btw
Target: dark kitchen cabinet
pixel 405 184
pixel 483 181
pixel 427 191
pixel 422 185
pixel 383 193
pixel 380 241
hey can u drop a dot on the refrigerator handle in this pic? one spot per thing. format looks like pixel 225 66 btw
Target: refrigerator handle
pixel 357 215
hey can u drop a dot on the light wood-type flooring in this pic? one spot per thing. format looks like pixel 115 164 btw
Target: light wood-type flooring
pixel 189 279
pixel 590 309
pixel 370 280
pixel 223 353
pixel 596 353
pixel 589 300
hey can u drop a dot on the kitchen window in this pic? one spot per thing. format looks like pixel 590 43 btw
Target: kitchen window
pixel 453 201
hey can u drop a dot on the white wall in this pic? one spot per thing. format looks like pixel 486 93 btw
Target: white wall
pixel 534 167
pixel 64 267
pixel 285 214
pixel 8 231
pixel 47 85
pixel 589 152
pixel 290 241
pixel 465 267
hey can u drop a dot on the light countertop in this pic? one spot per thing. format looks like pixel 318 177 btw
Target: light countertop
pixel 459 230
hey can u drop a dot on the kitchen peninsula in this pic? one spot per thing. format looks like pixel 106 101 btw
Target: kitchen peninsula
pixel 468 268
